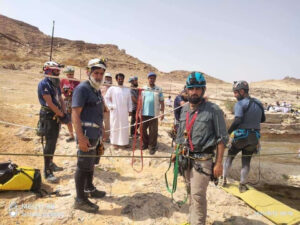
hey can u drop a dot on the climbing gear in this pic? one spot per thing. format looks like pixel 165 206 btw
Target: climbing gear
pixel 238 85
pixel 51 65
pixel 189 126
pixel 138 115
pixel 90 124
pixel 195 79
pixel 69 70
pixel 15 178
pixel 175 176
pixel 97 63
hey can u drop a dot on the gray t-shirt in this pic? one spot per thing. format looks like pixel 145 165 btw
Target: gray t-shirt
pixel 209 127
pixel 251 118
pixel 135 93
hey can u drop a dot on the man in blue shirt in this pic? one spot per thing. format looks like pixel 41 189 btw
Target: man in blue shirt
pixel 52 112
pixel 87 116
pixel 249 113
pixel 153 105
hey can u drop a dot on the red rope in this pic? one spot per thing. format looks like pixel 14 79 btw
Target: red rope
pixel 138 119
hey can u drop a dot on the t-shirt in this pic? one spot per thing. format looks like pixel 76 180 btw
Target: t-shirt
pixel 91 101
pixel 251 118
pixel 151 100
pixel 134 93
pixel 67 87
pixel 46 87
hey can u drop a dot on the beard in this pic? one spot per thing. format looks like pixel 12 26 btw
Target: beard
pixel 95 83
pixel 194 99
pixel 55 81
pixel 135 85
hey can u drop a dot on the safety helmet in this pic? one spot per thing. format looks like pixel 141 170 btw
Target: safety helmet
pixel 51 65
pixel 107 75
pixel 132 78
pixel 98 63
pixel 151 74
pixel 69 70
pixel 195 79
pixel 238 85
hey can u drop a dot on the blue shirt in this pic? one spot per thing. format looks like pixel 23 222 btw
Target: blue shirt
pixel 151 100
pixel 46 87
pixel 251 118
pixel 91 101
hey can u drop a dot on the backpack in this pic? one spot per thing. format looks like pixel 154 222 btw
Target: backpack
pixel 15 178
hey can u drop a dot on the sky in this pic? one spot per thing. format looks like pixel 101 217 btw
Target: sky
pixel 227 39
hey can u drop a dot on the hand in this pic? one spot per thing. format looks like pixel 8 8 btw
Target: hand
pixel 162 117
pixel 60 114
pixel 218 170
pixel 84 144
pixel 173 157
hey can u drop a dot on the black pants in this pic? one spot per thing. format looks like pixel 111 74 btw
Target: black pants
pixel 51 136
pixel 85 170
pixel 151 139
pixel 132 122
pixel 248 147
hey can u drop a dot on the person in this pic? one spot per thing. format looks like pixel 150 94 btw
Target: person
pixel 87 116
pixel 67 87
pixel 249 113
pixel 107 84
pixel 153 103
pixel 201 130
pixel 134 97
pixel 52 113
pixel 169 101
pixel 118 101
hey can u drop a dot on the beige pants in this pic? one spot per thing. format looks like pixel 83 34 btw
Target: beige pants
pixel 197 184
pixel 106 125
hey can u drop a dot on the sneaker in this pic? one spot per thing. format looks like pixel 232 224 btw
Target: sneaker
pixel 152 151
pixel 243 188
pixel 55 168
pixel 85 205
pixel 94 193
pixel 51 178
pixel 70 139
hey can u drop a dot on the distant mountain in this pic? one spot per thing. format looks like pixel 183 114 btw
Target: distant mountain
pixel 23 46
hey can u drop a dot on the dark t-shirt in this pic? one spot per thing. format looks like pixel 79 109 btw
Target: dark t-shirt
pixel 91 101
pixel 177 112
pixel 135 93
pixel 46 87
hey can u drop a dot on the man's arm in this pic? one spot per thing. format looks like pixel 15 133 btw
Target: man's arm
pixel 218 168
pixel 52 106
pixel 235 124
pixel 62 103
pixel 162 109
pixel 83 141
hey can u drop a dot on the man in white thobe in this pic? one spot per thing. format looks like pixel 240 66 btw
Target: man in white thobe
pixel 118 101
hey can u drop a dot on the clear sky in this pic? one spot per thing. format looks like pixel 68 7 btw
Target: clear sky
pixel 228 39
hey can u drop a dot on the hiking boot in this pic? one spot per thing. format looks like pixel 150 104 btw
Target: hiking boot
pixel 94 193
pixel 50 177
pixel 55 168
pixel 85 205
pixel 152 151
pixel 243 188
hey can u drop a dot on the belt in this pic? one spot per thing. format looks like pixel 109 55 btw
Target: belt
pixel 89 124
pixel 201 156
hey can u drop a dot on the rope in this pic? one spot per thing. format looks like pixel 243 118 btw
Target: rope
pixel 123 156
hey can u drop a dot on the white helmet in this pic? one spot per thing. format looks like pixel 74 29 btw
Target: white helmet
pixel 51 65
pixel 100 63
pixel 69 70
pixel 107 75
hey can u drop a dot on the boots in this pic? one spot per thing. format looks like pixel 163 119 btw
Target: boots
pixel 85 205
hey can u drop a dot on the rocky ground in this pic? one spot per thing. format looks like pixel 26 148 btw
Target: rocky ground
pixel 132 198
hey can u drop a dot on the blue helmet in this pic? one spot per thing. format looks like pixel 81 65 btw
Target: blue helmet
pixel 195 79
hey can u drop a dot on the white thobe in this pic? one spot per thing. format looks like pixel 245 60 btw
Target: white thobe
pixel 118 101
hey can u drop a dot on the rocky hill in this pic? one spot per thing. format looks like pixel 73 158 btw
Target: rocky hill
pixel 24 46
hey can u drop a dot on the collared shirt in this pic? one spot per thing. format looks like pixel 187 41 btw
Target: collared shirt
pixel 46 87
pixel 251 117
pixel 91 101
pixel 151 100
pixel 209 127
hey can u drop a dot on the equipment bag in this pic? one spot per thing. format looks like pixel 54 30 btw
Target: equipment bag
pixel 15 178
